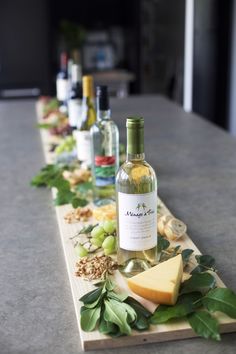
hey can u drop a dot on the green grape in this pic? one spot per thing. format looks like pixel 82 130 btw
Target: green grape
pixel 107 251
pixel 97 231
pixel 109 243
pixel 96 242
pixel 81 251
pixel 102 237
pixel 67 145
pixel 109 226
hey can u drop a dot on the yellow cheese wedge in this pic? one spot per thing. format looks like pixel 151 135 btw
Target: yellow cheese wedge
pixel 159 284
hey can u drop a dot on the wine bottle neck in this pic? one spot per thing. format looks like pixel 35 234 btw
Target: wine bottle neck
pixel 135 141
pixel 135 157
pixel 104 115
pixel 76 76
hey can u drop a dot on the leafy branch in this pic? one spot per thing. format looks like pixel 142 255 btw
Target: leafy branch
pixel 51 176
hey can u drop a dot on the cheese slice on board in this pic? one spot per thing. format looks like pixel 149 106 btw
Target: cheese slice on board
pixel 161 283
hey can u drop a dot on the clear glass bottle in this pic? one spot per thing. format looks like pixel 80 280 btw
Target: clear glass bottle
pixel 136 187
pixel 105 150
pixel 88 118
pixel 75 97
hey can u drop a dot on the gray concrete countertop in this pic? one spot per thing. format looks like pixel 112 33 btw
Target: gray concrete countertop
pixel 196 166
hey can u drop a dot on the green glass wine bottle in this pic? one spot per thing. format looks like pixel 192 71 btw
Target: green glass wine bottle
pixel 136 189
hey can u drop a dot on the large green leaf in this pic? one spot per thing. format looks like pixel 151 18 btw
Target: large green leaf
pixel 205 262
pixel 221 299
pixel 106 327
pixel 186 304
pixel 115 313
pixel 89 319
pixel 138 307
pixel 204 325
pixel 162 244
pixel 186 255
pixel 198 282
pixel 91 296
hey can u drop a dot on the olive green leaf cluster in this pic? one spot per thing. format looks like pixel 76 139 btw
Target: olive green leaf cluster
pixel 112 313
pixel 51 176
pixel 198 299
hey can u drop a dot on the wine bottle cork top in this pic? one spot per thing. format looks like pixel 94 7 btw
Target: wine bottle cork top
pixel 135 122
pixel 88 86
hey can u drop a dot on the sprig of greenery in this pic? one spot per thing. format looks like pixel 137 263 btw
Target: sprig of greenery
pixel 113 313
pixel 51 176
pixel 198 298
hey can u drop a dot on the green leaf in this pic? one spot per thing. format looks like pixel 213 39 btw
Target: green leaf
pixel 46 175
pixel 205 262
pixel 221 299
pixel 132 316
pixel 87 229
pixel 109 284
pixel 141 323
pixel 117 314
pixel 60 183
pixel 204 325
pixel 63 197
pixel 78 202
pixel 186 255
pixel 183 307
pixel 162 244
pixel 91 296
pixel 84 187
pixel 117 296
pixel 89 319
pixel 143 315
pixel 107 327
pixel 198 282
pixel 139 308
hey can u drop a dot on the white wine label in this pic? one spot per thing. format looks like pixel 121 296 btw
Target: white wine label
pixel 62 89
pixel 83 145
pixel 74 110
pixel 137 221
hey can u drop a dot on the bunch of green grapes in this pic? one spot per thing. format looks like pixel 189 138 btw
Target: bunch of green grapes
pixel 102 236
pixel 67 145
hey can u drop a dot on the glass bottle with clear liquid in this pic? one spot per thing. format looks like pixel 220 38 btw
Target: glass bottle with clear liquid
pixel 88 118
pixel 136 188
pixel 105 150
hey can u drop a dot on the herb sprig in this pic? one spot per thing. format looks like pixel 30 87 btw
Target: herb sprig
pixel 198 299
pixel 51 176
pixel 112 313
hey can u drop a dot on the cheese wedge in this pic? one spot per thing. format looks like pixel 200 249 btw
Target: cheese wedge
pixel 159 284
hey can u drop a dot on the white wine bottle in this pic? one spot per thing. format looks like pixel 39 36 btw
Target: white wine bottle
pixel 136 188
pixel 88 118
pixel 105 150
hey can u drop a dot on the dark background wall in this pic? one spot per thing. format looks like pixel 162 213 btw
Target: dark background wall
pixel 24 44
pixel 153 45
pixel 212 33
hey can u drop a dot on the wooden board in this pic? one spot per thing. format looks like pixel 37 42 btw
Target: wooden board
pixel 95 340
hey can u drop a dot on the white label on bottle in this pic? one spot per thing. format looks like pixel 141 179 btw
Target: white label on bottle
pixel 62 89
pixel 83 145
pixel 74 110
pixel 137 221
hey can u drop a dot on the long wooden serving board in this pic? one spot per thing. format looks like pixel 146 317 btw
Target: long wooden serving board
pixel 173 330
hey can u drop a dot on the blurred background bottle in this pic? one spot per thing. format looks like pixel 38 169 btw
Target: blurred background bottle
pixel 62 83
pixel 75 97
pixel 105 150
pixel 88 118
